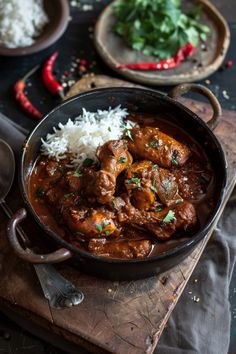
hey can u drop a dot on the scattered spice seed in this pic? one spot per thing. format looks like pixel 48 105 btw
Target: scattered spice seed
pixel 229 63
pixel 83 62
pixel 225 94
pixel 196 299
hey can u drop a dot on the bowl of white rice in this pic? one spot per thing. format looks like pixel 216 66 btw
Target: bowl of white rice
pixel 28 26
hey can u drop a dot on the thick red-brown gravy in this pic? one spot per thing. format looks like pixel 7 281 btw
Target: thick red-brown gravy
pixel 130 235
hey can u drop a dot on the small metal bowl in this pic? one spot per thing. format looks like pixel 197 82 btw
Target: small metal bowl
pixel 58 14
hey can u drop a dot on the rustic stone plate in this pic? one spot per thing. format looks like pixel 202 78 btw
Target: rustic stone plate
pixel 203 63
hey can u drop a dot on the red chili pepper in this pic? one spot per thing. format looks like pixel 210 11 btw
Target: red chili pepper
pixel 52 85
pixel 164 64
pixel 23 99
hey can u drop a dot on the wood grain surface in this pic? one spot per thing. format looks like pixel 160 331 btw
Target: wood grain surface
pixel 115 317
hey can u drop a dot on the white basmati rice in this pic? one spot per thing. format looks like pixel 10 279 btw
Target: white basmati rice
pixel 21 21
pixel 81 137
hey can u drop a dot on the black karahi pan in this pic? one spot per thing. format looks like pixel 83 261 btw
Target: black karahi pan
pixel 135 100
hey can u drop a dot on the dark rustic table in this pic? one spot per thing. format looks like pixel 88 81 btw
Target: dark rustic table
pixel 77 43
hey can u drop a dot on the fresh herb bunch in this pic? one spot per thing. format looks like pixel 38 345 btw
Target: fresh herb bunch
pixel 158 27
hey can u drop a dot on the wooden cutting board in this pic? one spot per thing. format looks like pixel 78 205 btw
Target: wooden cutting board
pixel 115 317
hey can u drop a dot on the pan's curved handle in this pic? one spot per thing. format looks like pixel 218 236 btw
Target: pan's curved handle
pixel 187 87
pixel 28 255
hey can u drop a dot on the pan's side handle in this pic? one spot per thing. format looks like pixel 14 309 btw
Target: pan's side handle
pixel 187 87
pixel 28 255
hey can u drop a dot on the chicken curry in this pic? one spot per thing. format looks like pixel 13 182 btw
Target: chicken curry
pixel 150 190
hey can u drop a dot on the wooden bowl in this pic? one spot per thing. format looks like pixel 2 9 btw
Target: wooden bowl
pixel 113 49
pixel 58 14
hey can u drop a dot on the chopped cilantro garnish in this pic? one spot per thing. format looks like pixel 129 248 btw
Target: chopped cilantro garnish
pixel 178 201
pixel 170 217
pixel 88 162
pixel 174 157
pixel 109 129
pixel 79 233
pixel 203 180
pixel 122 159
pixel 107 233
pixel 105 223
pixel 155 167
pixel 154 144
pixel 135 180
pixel 99 227
pixel 68 195
pixel 39 193
pixel 128 134
pixel 77 173
pixel 153 188
pixel 158 209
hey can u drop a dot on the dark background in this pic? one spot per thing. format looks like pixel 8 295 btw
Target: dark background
pixel 77 43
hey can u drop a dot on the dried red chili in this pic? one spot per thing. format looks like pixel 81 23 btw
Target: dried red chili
pixel 23 99
pixel 52 85
pixel 164 64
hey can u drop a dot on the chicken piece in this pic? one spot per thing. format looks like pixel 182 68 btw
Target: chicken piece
pixel 144 180
pixel 167 187
pixel 114 158
pixel 117 203
pixel 163 224
pixel 120 249
pixel 74 181
pixel 61 199
pixel 53 170
pixel 150 143
pixel 90 224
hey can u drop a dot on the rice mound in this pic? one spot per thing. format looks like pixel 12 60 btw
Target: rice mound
pixel 21 21
pixel 81 137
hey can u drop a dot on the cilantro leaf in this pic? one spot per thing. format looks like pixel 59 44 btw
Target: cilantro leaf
pixel 135 180
pixel 170 217
pixel 122 159
pixel 77 173
pixel 99 227
pixel 158 27
pixel 153 188
pixel 88 162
